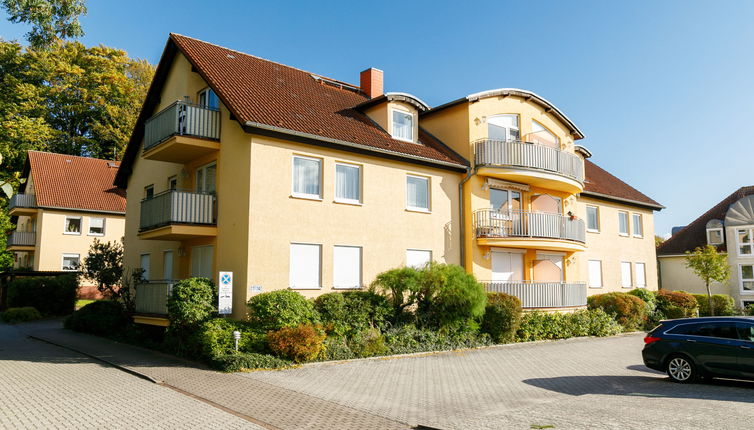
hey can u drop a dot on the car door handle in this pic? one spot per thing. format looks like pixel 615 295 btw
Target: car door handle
pixel 691 340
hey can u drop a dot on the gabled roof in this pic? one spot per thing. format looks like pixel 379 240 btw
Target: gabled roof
pixel 599 183
pixel 71 182
pixel 271 97
pixel 695 234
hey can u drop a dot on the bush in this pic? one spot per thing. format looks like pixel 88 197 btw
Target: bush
pixel 401 286
pixel 629 310
pixel 281 308
pixel 546 326
pixel 502 317
pixel 352 312
pixel 248 361
pixel 649 297
pixel 676 304
pixel 18 315
pixel 301 343
pixel 215 337
pixel 367 343
pixel 103 318
pixel 748 310
pixel 191 302
pixel 407 339
pixel 49 295
pixel 451 298
pixel 336 348
pixel 722 304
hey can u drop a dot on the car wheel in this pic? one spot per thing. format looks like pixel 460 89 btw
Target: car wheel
pixel 681 369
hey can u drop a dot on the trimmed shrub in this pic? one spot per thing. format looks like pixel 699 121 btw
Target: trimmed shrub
pixel 629 310
pixel 18 315
pixel 722 304
pixel 676 304
pixel 367 343
pixel 247 361
pixel 281 308
pixel 49 295
pixel 191 302
pixel 502 317
pixel 451 300
pixel 408 338
pixel 336 348
pixel 352 312
pixel 102 318
pixel 301 343
pixel 545 326
pixel 215 337
pixel 649 297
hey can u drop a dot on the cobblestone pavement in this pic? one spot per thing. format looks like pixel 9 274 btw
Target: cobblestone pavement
pixel 44 386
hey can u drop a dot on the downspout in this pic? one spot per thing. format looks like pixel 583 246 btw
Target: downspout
pixel 469 173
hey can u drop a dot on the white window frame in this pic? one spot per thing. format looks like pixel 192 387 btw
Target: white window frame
pixel 146 274
pixel 293 184
pixel 66 255
pixel 392 124
pixel 507 129
pixel 429 251
pixel 203 169
pixel 750 242
pixel 628 223
pixel 290 267
pixel 722 236
pixel 597 212
pixel 73 233
pixel 641 282
pixel 589 278
pixel 104 222
pixel 630 274
pixel 205 105
pixel 335 184
pixel 641 224
pixel 360 268
pixel 172 179
pixel 741 279
pixel 428 209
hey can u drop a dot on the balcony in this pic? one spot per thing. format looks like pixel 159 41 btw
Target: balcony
pixel 538 230
pixel 542 295
pixel 22 241
pixel 22 204
pixel 178 215
pixel 152 302
pixel 182 132
pixel 530 163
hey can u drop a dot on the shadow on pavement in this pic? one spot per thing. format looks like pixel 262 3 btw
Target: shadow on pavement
pixel 643 368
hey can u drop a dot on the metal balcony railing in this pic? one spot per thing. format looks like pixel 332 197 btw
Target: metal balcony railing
pixel 23 201
pixel 489 223
pixel 22 238
pixel 152 296
pixel 500 153
pixel 177 207
pixel 536 294
pixel 183 119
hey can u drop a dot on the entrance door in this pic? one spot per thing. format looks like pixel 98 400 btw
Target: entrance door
pixel 201 261
pixel 507 266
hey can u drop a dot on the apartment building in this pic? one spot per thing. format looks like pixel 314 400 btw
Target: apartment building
pixel 290 179
pixel 728 226
pixel 64 204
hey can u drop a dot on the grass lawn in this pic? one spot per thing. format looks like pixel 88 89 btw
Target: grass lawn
pixel 83 302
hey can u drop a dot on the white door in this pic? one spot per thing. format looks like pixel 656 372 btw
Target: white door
pixel 167 265
pixel 507 266
pixel 201 261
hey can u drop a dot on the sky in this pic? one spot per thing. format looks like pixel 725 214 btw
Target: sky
pixel 661 89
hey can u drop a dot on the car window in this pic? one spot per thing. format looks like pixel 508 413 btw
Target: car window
pixel 746 331
pixel 724 330
pixel 688 329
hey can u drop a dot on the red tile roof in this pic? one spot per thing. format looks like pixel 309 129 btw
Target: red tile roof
pixel 600 183
pixel 67 181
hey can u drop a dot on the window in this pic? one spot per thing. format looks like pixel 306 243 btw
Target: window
pixel 305 265
pixel 625 274
pixel 306 177
pixel 209 99
pixel 205 178
pixel 592 218
pixel 148 192
pixel 418 258
pixel 715 232
pixel 417 193
pixel 503 127
pixel 745 331
pixel 638 225
pixel 346 267
pixel 403 125
pixel 595 274
pixel 96 226
pixel 505 200
pixel 70 262
pixel 722 330
pixel 347 183
pixel 144 264
pixel 747 278
pixel 172 183
pixel 167 264
pixel 623 223
pixel 540 135
pixel 72 225
pixel 745 239
pixel 641 275
pixel 202 259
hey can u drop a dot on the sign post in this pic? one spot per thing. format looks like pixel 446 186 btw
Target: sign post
pixel 225 294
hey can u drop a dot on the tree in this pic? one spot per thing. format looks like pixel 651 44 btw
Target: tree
pixel 710 266
pixel 658 241
pixel 50 20
pixel 104 265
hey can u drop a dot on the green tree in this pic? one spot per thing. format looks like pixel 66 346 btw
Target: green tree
pixel 710 266
pixel 658 241
pixel 104 265
pixel 50 20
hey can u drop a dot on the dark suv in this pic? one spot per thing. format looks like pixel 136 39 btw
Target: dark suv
pixel 690 348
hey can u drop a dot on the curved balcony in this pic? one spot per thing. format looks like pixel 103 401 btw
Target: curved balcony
pixel 521 229
pixel 530 163
pixel 542 294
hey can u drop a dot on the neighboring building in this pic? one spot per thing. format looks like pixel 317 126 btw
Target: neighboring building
pixel 64 204
pixel 729 226
pixel 293 180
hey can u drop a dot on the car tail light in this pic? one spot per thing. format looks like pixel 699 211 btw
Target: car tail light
pixel 651 339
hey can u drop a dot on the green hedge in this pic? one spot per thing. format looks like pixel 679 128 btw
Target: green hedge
pixel 722 304
pixel 281 308
pixel 630 311
pixel 247 361
pixel 408 339
pixel 676 304
pixel 102 318
pixel 18 315
pixel 352 312
pixel 191 302
pixel 215 337
pixel 545 326
pixel 502 317
pixel 49 295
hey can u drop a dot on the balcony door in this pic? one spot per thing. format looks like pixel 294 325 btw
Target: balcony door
pixel 507 266
pixel 167 264
pixel 201 261
pixel 206 178
pixel 506 216
pixel 503 127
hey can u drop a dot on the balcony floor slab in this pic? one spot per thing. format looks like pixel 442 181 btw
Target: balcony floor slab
pixel 534 177
pixel 179 232
pixel 532 243
pixel 181 149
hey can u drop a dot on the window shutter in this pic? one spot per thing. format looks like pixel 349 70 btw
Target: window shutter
pixel 305 265
pixel 417 257
pixel 595 273
pixel 347 267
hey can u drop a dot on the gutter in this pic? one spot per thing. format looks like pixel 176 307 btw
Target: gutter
pixel 621 199
pixel 94 211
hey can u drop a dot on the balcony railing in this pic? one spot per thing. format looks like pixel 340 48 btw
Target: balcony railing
pixel 536 294
pixel 22 238
pixel 500 153
pixel 177 207
pixel 152 297
pixel 23 201
pixel 489 223
pixel 182 119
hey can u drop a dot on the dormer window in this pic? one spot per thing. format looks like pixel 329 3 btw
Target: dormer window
pixel 503 127
pixel 208 99
pixel 403 125
pixel 715 232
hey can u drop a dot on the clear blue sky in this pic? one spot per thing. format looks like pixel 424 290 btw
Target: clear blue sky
pixel 662 89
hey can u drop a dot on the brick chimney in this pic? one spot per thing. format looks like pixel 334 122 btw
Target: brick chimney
pixel 371 82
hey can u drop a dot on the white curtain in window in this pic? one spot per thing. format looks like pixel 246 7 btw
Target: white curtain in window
pixel 623 222
pixel 641 276
pixel 346 267
pixel 638 227
pixel 210 179
pixel 306 176
pixel 347 182
pixel 145 263
pixel 417 190
pixel 595 273
pixel 625 274
pixel 96 225
pixel 305 265
pixel 403 125
pixel 417 257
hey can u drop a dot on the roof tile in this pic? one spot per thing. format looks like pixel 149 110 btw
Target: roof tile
pixel 600 181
